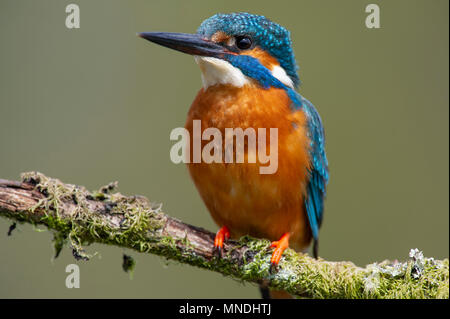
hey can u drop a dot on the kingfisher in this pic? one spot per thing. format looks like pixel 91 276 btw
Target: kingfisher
pixel 250 80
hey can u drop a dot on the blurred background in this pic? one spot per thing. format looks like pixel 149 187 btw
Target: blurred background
pixel 97 104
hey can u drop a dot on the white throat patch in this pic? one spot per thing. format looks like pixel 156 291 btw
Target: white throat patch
pixel 280 74
pixel 218 71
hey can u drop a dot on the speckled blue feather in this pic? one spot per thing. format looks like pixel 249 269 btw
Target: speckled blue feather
pixel 268 35
pixel 251 67
pixel 318 170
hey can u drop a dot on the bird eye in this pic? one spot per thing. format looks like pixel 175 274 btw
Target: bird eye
pixel 243 42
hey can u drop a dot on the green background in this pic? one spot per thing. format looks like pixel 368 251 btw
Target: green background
pixel 97 104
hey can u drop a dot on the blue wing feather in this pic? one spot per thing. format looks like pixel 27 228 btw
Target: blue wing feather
pixel 318 170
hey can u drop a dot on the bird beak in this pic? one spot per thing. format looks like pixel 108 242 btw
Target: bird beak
pixel 188 43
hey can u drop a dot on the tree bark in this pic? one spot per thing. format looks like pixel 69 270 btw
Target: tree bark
pixel 79 217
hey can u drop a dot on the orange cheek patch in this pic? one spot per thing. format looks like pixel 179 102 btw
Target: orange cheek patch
pixel 220 37
pixel 264 58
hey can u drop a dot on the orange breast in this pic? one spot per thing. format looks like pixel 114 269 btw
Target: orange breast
pixel 236 194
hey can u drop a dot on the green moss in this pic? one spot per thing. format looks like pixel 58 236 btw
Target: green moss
pixel 319 279
pixel 137 215
pixel 138 226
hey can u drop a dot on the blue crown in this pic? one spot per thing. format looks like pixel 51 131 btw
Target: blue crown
pixel 268 35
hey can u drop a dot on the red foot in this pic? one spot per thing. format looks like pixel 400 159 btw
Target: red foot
pixel 280 247
pixel 221 235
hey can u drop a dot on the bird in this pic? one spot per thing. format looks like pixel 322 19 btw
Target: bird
pixel 250 81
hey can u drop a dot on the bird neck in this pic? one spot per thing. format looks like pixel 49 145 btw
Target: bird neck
pixel 254 68
pixel 238 70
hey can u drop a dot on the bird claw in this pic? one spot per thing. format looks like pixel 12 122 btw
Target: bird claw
pixel 273 268
pixel 217 251
pixel 222 235
pixel 280 246
pixel 274 244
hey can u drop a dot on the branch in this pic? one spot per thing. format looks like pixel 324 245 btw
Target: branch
pixel 80 217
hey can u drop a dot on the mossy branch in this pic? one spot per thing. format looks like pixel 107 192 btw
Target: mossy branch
pixel 80 217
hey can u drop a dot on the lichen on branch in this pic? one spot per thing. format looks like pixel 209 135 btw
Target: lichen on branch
pixel 80 217
pixel 84 217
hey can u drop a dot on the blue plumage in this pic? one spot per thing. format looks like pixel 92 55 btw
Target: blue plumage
pixel 319 168
pixel 269 35
pixel 251 67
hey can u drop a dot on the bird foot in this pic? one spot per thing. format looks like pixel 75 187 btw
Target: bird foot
pixel 221 235
pixel 280 247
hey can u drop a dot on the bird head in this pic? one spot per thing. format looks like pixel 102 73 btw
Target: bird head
pixel 237 49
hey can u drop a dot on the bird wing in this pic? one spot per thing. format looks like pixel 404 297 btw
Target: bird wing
pixel 318 170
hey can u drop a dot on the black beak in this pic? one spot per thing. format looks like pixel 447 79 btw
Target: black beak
pixel 188 43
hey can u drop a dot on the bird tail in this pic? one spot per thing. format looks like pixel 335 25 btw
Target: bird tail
pixel 316 248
